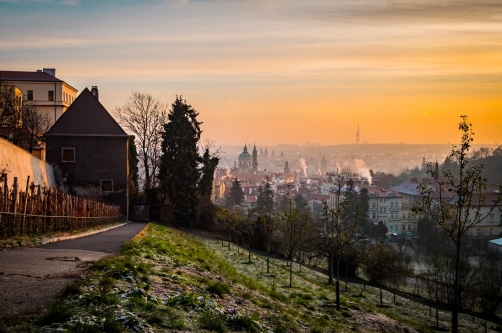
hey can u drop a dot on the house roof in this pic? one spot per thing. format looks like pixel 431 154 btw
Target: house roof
pixel 37 76
pixel 27 76
pixel 497 241
pixel 86 116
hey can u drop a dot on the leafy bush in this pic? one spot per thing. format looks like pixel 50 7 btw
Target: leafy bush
pixel 188 300
pixel 250 324
pixel 57 313
pixel 212 321
pixel 71 289
pixel 218 288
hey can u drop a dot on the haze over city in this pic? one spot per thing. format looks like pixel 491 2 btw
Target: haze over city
pixel 279 71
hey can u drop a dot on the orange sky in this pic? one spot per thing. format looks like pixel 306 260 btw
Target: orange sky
pixel 282 71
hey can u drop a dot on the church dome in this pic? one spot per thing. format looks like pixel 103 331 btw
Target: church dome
pixel 244 155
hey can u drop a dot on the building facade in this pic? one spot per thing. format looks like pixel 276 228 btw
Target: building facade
pixel 91 151
pixel 47 93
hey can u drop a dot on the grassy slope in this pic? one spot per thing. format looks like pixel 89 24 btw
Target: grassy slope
pixel 167 280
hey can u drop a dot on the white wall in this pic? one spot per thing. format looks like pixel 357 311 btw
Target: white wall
pixel 21 164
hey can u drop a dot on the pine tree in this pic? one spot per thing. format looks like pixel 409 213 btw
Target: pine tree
pixel 133 168
pixel 209 164
pixel 236 196
pixel 178 173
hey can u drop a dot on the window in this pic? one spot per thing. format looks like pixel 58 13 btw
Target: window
pixel 30 95
pixel 106 185
pixel 68 154
pixel 391 228
pixel 478 232
pixel 51 95
pixel 397 204
pixel 374 215
pixel 492 218
pixel 491 231
pixel 404 227
pixel 409 226
pixel 374 204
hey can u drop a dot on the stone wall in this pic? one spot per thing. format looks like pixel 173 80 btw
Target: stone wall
pixel 17 162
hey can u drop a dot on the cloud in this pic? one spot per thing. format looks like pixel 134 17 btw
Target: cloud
pixel 372 12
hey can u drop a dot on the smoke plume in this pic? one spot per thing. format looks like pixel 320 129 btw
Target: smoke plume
pixel 362 170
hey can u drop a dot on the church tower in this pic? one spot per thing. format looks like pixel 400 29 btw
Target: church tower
pixel 357 134
pixel 255 159
pixel 324 166
pixel 286 167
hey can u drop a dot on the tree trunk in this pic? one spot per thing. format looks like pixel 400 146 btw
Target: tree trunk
pixel 337 281
pixel 456 292
pixel 346 273
pixel 330 269
pixel 268 261
pixel 249 251
pixel 291 274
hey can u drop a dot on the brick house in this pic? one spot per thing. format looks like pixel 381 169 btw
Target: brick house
pixel 91 150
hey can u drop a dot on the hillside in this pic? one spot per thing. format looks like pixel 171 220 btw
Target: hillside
pixel 166 280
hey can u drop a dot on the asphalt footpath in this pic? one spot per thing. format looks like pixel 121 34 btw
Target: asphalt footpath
pixel 31 278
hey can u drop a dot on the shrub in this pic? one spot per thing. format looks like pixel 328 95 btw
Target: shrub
pixel 218 288
pixel 56 313
pixel 71 289
pixel 212 321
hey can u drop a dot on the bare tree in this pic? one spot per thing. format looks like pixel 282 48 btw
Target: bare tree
pixel 144 116
pixel 267 218
pixel 454 202
pixel 35 123
pixel 335 231
pixel 293 227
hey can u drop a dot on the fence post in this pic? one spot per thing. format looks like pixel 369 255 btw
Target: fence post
pixel 5 193
pixel 25 204
pixel 14 205
pixel 32 196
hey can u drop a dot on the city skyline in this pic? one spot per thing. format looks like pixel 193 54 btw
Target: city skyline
pixel 279 71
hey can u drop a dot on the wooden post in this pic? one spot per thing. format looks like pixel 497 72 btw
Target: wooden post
pixel 32 190
pixel 14 204
pixel 5 193
pixel 25 203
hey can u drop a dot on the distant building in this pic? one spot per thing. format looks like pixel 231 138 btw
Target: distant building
pixel 91 150
pixel 247 163
pixel 286 167
pixel 47 92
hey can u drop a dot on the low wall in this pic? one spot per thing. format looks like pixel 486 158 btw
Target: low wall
pixel 17 162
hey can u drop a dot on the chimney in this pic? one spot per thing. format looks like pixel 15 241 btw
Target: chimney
pixel 94 92
pixel 50 71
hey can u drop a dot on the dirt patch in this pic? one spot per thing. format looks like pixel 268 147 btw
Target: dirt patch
pixel 376 322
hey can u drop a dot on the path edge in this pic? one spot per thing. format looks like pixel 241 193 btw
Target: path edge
pixel 63 238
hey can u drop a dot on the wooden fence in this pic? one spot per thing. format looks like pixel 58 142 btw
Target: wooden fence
pixel 36 209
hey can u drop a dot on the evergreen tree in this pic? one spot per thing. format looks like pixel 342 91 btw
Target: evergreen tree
pixel 364 205
pixel 236 196
pixel 133 167
pixel 265 208
pixel 209 164
pixel 178 173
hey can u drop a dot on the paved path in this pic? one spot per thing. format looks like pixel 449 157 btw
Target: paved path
pixel 108 241
pixel 32 277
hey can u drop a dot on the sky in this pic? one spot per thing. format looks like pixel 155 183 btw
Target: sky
pixel 279 71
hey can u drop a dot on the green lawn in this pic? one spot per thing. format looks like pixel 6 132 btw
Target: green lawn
pixel 168 281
